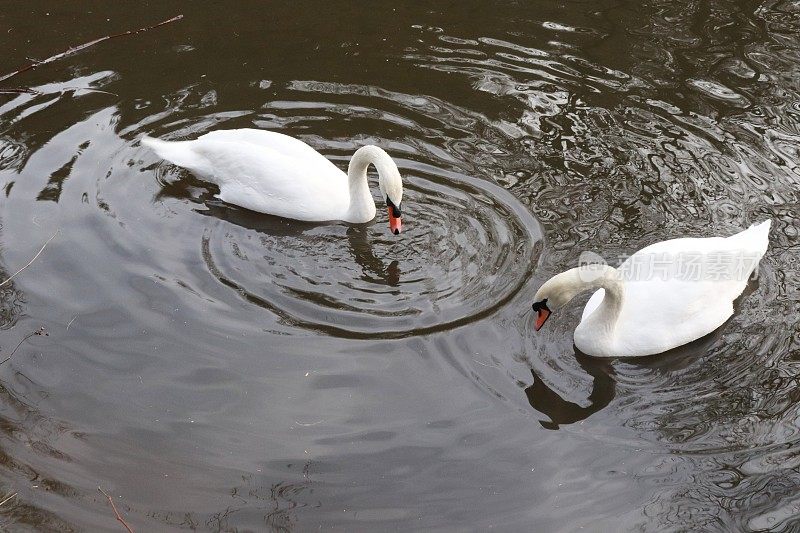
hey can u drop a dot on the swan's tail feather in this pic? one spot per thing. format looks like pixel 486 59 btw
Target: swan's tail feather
pixel 759 233
pixel 754 240
pixel 176 152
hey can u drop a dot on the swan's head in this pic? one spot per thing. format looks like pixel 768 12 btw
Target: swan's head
pixel 556 293
pixel 391 185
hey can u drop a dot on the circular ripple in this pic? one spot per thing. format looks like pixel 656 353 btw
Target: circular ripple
pixel 466 249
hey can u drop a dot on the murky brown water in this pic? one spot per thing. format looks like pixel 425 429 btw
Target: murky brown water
pixel 220 370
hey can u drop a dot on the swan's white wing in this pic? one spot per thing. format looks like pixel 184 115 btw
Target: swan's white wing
pixel 284 144
pixel 660 315
pixel 269 180
pixel 264 171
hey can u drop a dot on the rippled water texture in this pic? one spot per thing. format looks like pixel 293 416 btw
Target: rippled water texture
pixel 215 369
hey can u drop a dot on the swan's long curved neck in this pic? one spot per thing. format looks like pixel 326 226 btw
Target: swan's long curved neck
pixel 605 317
pixel 362 206
pixel 588 277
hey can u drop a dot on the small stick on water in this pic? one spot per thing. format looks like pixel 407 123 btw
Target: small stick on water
pixel 17 91
pixel 75 49
pixel 7 498
pixel 32 260
pixel 39 332
pixel 114 507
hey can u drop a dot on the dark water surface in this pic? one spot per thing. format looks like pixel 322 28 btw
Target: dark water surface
pixel 219 370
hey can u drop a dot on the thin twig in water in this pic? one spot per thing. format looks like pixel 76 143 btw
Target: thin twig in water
pixel 7 498
pixel 71 321
pixel 32 260
pixel 114 507
pixel 76 49
pixel 18 91
pixel 39 332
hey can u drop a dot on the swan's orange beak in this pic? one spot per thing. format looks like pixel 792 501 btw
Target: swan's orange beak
pixel 541 318
pixel 395 224
pixel 542 313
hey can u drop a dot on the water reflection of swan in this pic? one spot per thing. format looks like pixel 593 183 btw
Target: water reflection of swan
pixel 562 412
pixel 373 268
pixel 270 225
pixel 604 387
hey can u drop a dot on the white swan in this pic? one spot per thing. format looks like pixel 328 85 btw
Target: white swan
pixel 269 172
pixel 663 296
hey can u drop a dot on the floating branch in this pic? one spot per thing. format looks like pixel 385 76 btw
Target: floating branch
pixel 17 91
pixel 32 260
pixel 38 332
pixel 75 49
pixel 114 507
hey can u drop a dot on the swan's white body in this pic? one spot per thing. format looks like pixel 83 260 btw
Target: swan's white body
pixel 273 173
pixel 663 296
